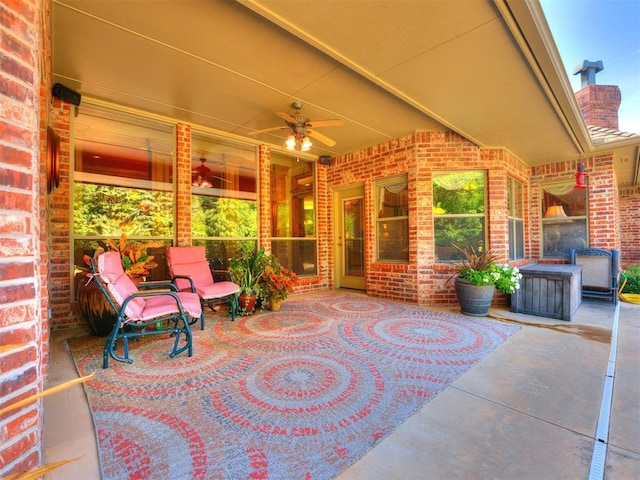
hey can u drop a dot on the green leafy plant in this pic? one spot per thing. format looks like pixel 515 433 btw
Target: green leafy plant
pixel 135 259
pixel 631 279
pixel 246 268
pixel 480 268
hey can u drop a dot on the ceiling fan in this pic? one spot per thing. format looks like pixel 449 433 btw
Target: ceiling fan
pixel 301 128
pixel 202 176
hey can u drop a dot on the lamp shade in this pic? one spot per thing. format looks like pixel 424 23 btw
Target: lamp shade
pixel 555 211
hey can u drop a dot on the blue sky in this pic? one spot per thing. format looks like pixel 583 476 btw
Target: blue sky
pixel 607 30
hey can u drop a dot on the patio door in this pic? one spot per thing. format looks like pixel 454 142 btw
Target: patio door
pixel 349 244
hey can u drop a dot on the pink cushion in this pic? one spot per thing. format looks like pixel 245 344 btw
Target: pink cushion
pixel 192 262
pixel 161 305
pixel 119 285
pixel 218 290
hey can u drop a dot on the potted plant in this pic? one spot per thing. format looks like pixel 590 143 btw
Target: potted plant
pixel 246 268
pixel 137 263
pixel 278 283
pixel 478 276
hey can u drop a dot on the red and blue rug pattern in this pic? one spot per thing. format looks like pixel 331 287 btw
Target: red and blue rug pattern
pixel 296 394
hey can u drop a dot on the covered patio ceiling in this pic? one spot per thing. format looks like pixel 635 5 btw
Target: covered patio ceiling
pixel 486 69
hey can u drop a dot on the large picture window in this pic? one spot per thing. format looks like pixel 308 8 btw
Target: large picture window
pixel 392 220
pixel 224 209
pixel 515 201
pixel 293 214
pixel 122 181
pixel 459 212
pixel 564 219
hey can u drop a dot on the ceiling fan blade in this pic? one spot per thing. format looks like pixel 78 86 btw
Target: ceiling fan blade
pixel 286 117
pixel 265 130
pixel 323 138
pixel 333 122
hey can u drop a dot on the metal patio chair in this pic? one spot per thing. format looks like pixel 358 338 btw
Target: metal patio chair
pixel 600 272
pixel 140 313
pixel 190 271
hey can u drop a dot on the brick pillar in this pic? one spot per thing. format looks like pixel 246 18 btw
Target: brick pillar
pixel 24 44
pixel 183 184
pixel 599 105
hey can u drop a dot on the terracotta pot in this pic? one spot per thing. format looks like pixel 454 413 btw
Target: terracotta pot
pixel 247 303
pixel 94 308
pixel 474 300
pixel 275 304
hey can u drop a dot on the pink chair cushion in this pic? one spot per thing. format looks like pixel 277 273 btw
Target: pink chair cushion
pixel 192 262
pixel 119 285
pixel 161 305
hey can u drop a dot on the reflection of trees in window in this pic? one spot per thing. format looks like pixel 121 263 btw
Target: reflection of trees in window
pixel 223 201
pixel 392 220
pixel 108 211
pixel 564 219
pixel 458 209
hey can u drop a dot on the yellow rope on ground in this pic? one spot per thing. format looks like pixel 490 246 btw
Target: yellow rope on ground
pixel 628 297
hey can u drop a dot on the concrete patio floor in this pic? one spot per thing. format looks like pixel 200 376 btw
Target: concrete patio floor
pixel 528 411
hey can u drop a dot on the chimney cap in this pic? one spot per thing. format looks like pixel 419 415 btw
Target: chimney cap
pixel 587 71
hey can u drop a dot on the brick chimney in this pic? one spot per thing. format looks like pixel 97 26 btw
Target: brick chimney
pixel 599 104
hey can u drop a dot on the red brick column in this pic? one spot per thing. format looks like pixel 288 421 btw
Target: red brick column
pixel 23 291
pixel 183 185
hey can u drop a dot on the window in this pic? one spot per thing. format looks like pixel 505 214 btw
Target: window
pixel 459 212
pixel 564 219
pixel 123 181
pixel 293 214
pixel 224 209
pixel 392 220
pixel 515 201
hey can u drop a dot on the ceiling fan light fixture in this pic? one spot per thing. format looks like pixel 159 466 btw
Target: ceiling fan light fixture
pixel 291 142
pixel 306 144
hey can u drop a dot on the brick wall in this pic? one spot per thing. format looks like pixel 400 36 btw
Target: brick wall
pixel 422 280
pixel 23 287
pixel 604 217
pixel 599 105
pixel 629 209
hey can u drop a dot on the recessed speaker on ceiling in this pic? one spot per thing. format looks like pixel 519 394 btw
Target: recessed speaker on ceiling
pixel 66 94
pixel 324 160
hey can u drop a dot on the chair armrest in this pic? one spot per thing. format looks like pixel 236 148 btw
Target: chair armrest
pixel 221 276
pixel 158 284
pixel 185 277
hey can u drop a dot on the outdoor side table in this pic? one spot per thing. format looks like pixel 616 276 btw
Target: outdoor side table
pixel 549 290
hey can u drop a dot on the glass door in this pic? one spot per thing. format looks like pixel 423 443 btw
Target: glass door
pixel 350 246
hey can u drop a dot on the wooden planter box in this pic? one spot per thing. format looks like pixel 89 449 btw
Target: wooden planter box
pixel 553 291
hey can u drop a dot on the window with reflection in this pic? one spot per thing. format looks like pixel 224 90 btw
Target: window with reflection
pixel 458 212
pixel 564 219
pixel 122 182
pixel 515 204
pixel 293 213
pixel 392 220
pixel 224 211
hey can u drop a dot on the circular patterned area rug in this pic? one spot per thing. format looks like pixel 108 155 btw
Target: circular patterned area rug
pixel 299 393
